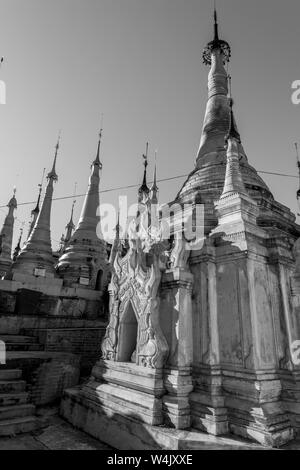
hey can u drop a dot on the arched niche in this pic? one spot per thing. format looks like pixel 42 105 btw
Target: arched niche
pixel 128 333
pixel 99 277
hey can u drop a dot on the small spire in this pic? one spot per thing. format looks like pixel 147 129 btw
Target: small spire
pixel 12 204
pixel 233 131
pixel 36 210
pixel 216 36
pixel 18 246
pixel 52 173
pixel 216 43
pixel 154 187
pixel 72 211
pixel 233 183
pixel 144 188
pixel 116 242
pixel 97 159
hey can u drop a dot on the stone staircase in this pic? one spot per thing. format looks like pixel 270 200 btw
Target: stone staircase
pixel 17 415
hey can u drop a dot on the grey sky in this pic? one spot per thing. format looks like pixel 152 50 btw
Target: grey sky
pixel 139 63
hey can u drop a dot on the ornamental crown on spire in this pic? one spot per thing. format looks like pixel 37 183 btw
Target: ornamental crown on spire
pixel 217 43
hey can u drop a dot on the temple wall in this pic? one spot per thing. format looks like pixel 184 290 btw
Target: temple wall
pixel 246 297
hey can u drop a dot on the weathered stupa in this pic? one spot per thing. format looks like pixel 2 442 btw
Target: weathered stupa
pixel 36 258
pixel 84 258
pixel 203 336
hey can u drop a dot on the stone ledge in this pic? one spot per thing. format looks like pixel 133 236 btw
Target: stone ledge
pixel 127 433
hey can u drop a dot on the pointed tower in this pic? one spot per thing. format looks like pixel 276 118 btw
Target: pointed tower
pixel 235 206
pixel 36 256
pixel 35 212
pixel 143 193
pixel 18 246
pixel 116 243
pixel 84 258
pixel 205 182
pixel 154 187
pixel 6 236
pixel 70 226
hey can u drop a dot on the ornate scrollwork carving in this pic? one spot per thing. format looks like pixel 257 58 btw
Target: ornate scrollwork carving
pixel 135 281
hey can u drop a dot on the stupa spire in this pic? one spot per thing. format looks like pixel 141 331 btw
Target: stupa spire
pixel 143 192
pixel 18 246
pixel 70 225
pixel 37 252
pixel 35 212
pixel 6 235
pixel 85 252
pixel 116 242
pixel 154 187
pixel 216 120
pixel 88 218
pixel 234 183
pixel 97 159
pixel 216 28
pixel 206 181
pixel 52 174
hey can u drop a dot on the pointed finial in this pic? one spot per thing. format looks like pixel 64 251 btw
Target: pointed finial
pixel 72 211
pixel 12 204
pixel 216 43
pixel 97 159
pixel 216 35
pixel 145 157
pixel 144 188
pixel 154 186
pixel 40 186
pixel 52 173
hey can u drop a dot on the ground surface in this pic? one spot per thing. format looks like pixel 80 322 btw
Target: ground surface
pixel 60 435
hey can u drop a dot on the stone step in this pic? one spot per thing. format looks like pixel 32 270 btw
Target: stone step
pixel 10 427
pixel 8 386
pixel 24 347
pixel 10 374
pixel 9 399
pixel 18 339
pixel 16 411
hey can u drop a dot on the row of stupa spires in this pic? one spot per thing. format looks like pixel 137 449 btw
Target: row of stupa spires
pixel 84 250
pixel 36 253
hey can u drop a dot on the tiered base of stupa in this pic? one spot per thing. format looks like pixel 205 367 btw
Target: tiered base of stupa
pixel 123 405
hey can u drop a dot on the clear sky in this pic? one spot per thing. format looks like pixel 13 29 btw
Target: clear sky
pixel 139 62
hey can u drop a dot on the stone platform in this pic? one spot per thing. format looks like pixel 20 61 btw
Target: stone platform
pixel 127 433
